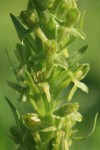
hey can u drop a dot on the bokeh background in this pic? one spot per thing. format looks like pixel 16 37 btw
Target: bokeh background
pixel 89 103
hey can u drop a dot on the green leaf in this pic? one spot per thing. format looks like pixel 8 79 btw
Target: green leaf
pixel 19 28
pixel 16 134
pixel 15 111
pixel 28 40
pixel 48 3
pixel 16 86
pixel 23 53
pixel 39 57
pixel 60 61
pixel 30 5
pixel 33 103
pixel 19 52
pixel 74 58
pixel 31 83
pixel 38 5
pixel 70 40
pixel 9 59
pixel 56 5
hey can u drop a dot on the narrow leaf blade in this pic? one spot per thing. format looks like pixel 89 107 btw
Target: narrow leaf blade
pixel 26 38
pixel 19 28
pixel 14 110
pixel 76 56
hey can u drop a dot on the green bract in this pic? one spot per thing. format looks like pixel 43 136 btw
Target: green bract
pixel 46 30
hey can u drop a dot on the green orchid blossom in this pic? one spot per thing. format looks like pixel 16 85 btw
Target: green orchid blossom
pixel 46 29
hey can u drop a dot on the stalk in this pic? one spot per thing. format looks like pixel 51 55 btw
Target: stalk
pixel 46 29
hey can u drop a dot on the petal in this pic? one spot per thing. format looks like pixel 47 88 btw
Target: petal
pixel 83 87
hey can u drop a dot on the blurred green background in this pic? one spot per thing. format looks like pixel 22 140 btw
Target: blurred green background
pixel 89 103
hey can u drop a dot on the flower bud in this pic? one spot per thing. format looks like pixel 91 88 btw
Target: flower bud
pixel 72 17
pixel 28 19
pixel 50 47
pixel 82 71
pixel 63 35
pixel 31 120
pixel 48 3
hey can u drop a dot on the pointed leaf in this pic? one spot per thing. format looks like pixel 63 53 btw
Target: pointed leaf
pixel 38 5
pixel 19 28
pixel 9 59
pixel 76 56
pixel 28 40
pixel 30 6
pixel 31 83
pixel 60 61
pixel 39 57
pixel 68 42
pixel 19 52
pixel 14 110
pixel 16 86
pixel 16 134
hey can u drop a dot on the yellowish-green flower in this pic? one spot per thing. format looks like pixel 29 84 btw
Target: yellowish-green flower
pixel 46 29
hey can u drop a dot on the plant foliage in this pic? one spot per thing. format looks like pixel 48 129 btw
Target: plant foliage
pixel 46 29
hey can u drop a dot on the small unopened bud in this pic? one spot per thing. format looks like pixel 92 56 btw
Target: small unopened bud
pixel 72 17
pixel 28 19
pixel 31 120
pixel 50 47
pixel 48 3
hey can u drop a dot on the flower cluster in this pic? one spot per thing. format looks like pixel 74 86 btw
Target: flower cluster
pixel 46 29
